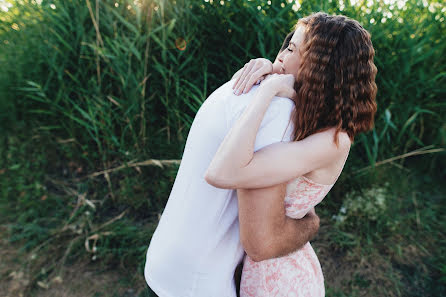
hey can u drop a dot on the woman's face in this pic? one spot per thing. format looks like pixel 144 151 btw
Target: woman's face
pixel 289 59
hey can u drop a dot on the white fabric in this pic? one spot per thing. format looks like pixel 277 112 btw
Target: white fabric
pixel 196 246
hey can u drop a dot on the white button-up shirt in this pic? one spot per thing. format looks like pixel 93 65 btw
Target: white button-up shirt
pixel 196 246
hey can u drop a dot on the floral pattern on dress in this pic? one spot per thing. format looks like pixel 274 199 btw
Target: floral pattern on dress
pixel 298 274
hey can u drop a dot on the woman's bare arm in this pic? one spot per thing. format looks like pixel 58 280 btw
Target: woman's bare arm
pixel 236 166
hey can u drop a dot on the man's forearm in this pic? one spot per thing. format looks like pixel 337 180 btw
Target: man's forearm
pixel 265 230
pixel 294 235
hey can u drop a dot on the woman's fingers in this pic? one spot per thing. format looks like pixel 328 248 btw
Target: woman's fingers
pixel 255 77
pixel 245 77
pixel 251 78
pixel 242 76
pixel 239 77
pixel 253 72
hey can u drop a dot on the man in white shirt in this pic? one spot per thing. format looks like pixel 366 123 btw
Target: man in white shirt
pixel 196 247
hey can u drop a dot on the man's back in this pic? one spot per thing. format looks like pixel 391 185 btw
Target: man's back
pixel 196 246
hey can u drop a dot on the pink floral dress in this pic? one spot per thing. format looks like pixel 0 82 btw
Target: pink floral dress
pixel 298 274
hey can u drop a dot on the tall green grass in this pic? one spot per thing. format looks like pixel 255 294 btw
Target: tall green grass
pixel 87 86
pixel 114 76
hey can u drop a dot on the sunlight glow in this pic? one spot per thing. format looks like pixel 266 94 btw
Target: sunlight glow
pixel 5 5
pixel 296 6
pixel 399 3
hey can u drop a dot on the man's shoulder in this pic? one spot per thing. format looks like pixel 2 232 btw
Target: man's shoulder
pixel 221 92
pixel 231 106
pixel 282 103
pixel 225 93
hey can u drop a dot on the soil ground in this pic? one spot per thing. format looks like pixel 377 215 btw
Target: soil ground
pixel 78 280
pixel 87 279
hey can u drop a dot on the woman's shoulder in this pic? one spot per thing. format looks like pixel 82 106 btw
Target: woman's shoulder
pixel 344 140
pixel 328 136
pixel 333 155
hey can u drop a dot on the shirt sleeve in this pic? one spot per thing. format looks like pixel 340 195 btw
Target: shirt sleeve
pixel 276 125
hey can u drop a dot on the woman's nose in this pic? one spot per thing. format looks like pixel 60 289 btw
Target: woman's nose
pixel 281 56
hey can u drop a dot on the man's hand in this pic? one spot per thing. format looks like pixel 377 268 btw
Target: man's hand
pixel 314 221
pixel 253 72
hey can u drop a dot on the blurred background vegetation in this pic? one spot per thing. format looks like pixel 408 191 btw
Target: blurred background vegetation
pixel 97 98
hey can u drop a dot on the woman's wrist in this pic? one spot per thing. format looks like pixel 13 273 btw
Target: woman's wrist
pixel 269 87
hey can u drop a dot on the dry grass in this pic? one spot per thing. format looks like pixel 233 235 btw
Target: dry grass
pixel 79 280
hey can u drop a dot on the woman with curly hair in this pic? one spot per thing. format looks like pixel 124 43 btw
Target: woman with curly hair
pixel 328 72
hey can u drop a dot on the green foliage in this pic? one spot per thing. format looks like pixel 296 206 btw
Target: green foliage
pixel 130 88
pixel 396 216
pixel 368 205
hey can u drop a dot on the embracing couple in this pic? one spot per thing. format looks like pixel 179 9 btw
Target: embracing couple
pixel 263 150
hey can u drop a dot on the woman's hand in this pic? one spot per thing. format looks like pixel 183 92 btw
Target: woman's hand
pixel 253 72
pixel 281 84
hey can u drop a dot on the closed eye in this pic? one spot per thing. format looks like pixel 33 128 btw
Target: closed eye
pixel 289 49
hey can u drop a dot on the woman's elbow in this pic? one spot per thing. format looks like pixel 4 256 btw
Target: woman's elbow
pixel 218 180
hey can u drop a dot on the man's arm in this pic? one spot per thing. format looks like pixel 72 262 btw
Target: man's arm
pixel 265 231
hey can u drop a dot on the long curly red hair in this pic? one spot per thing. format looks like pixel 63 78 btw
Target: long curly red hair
pixel 335 83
